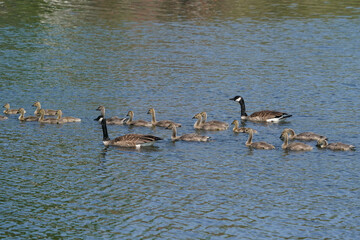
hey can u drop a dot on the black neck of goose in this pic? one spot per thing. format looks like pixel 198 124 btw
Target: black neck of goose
pixel 242 106
pixel 105 132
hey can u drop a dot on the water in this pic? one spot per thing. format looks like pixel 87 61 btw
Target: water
pixel 180 58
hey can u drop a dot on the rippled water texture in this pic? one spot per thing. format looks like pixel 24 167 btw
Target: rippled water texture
pixel 180 57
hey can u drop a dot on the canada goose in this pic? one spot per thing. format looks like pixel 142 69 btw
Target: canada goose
pixel 49 112
pixel 138 123
pixel 295 146
pixel 3 118
pixel 261 116
pixel 187 137
pixel 8 110
pixel 162 123
pixel 197 124
pixel 322 143
pixel 26 119
pixel 112 120
pixel 128 140
pixel 47 120
pixel 257 145
pixel 241 129
pixel 216 125
pixel 305 136
pixel 62 119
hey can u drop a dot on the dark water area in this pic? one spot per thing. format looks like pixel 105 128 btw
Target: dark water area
pixel 181 58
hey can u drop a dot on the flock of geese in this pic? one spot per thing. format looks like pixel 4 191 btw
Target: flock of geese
pixel 143 140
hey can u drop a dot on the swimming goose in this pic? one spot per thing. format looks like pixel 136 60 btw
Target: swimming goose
pixel 257 145
pixel 128 140
pixel 162 123
pixel 241 129
pixel 8 110
pixel 305 136
pixel 113 120
pixel 216 125
pixel 295 146
pixel 26 119
pixel 47 120
pixel 322 143
pixel 209 127
pixel 187 137
pixel 62 119
pixel 261 116
pixel 138 123
pixel 3 118
pixel 46 111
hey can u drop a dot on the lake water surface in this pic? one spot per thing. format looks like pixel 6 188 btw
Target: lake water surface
pixel 181 58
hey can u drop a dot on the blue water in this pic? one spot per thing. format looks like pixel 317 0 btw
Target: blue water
pixel 59 181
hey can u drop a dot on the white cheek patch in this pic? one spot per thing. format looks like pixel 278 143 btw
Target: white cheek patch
pixel 238 99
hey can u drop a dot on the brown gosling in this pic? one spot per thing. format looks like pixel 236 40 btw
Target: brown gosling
pixel 257 145
pixel 137 123
pixel 162 123
pixel 305 136
pixel 241 129
pixel 295 146
pixel 8 110
pixel 218 124
pixel 187 137
pixel 22 112
pixel 261 116
pixel 323 143
pixel 48 112
pixel 62 119
pixel 42 119
pixel 112 120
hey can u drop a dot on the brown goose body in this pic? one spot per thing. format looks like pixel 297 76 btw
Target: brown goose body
pixel 128 140
pixel 42 118
pixel 260 116
pixel 3 118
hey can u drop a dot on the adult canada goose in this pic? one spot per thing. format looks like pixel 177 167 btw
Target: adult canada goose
pixel 261 116
pixel 257 145
pixel 128 140
pixel 162 123
pixel 112 120
pixel 323 143
pixel 49 112
pixel 197 124
pixel 26 119
pixel 47 120
pixel 3 118
pixel 187 137
pixel 295 146
pixel 60 118
pixel 305 136
pixel 8 110
pixel 213 124
pixel 209 127
pixel 241 129
pixel 138 123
